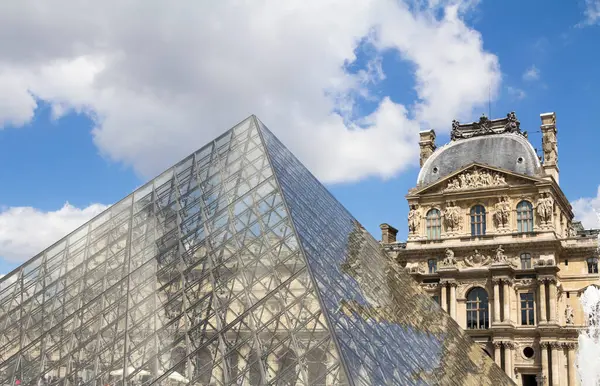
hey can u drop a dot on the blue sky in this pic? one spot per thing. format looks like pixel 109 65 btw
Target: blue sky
pixel 87 111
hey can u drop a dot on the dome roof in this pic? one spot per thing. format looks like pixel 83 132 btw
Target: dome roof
pixel 509 150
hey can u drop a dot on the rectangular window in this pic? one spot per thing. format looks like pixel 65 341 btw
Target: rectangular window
pixel 525 261
pixel 432 265
pixel 592 264
pixel 436 298
pixel 527 309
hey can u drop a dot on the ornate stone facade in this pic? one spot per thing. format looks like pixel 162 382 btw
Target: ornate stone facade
pixel 506 259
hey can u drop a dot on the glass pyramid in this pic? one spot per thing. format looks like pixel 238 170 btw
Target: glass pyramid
pixel 235 266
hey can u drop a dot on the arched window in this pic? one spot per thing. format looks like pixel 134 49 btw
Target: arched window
pixel 477 220
pixel 525 261
pixel 477 309
pixel 434 224
pixel 592 263
pixel 524 217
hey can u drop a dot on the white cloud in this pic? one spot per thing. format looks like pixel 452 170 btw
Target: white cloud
pixel 160 81
pixel 531 74
pixel 25 231
pixel 586 210
pixel 516 93
pixel 591 12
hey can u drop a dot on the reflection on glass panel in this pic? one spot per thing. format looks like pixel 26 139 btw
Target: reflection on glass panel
pixel 235 266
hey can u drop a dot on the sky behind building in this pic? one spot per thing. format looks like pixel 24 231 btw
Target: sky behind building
pixel 98 97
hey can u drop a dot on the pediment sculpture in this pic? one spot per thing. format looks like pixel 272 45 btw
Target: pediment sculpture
pixel 475 179
pixel 500 257
pixel 477 259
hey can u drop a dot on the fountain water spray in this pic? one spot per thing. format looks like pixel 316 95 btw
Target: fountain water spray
pixel 588 353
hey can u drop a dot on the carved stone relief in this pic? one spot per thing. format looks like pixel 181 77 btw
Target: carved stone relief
pixel 477 259
pixel 550 147
pixel 475 179
pixel 452 217
pixel 466 286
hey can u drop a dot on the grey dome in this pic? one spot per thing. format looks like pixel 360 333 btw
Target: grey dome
pixel 509 151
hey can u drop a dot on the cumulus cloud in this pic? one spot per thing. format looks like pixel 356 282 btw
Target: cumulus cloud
pixel 532 73
pixel 586 210
pixel 160 80
pixel 26 231
pixel 516 93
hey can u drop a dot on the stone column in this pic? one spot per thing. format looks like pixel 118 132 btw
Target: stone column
pixel 554 346
pixel 506 290
pixel 552 300
pixel 453 300
pixel 444 299
pixel 544 348
pixel 571 363
pixel 542 290
pixel 508 358
pixel 497 359
pixel 496 301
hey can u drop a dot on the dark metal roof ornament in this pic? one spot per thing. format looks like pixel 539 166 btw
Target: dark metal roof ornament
pixel 485 126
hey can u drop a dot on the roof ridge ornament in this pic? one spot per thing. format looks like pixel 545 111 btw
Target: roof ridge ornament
pixel 485 126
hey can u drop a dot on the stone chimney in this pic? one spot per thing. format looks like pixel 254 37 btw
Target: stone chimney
pixel 388 233
pixel 427 144
pixel 550 145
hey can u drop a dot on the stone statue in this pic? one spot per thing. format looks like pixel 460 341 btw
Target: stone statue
pixel 513 124
pixel 500 256
pixel 545 207
pixel 569 315
pixel 449 260
pixel 413 219
pixel 572 231
pixel 550 147
pixel 502 213
pixel 455 133
pixel 452 217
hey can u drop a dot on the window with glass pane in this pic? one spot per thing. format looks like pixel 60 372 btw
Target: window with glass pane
pixel 434 224
pixel 436 298
pixel 525 261
pixel 524 217
pixel 592 263
pixel 432 265
pixel 527 309
pixel 477 309
pixel 477 220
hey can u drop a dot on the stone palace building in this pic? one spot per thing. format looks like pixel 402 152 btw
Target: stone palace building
pixel 492 238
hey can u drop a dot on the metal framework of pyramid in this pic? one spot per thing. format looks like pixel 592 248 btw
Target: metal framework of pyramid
pixel 235 266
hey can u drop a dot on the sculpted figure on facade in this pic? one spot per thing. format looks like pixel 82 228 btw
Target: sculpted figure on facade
pixel 550 147
pixel 545 207
pixel 475 179
pixel 502 213
pixel 500 257
pixel 413 219
pixel 513 124
pixel 449 260
pixel 452 218
pixel 477 259
pixel 569 314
